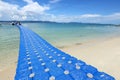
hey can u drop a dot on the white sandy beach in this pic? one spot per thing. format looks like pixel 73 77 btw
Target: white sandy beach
pixel 103 54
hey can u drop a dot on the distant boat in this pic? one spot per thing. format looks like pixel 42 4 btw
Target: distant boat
pixel 16 23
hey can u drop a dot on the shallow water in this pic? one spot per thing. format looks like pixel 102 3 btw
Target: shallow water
pixel 58 34
pixel 9 44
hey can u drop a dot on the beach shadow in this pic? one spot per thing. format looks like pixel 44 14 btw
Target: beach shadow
pixel 78 43
pixel 61 47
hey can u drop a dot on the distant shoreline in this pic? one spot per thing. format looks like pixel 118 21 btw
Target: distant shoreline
pixel 9 22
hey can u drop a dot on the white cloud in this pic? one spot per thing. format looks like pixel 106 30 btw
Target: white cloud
pixel 0 15
pixel 54 1
pixel 28 1
pixel 7 10
pixel 34 7
pixel 112 18
pixel 88 18
pixel 14 12
pixel 24 17
pixel 89 15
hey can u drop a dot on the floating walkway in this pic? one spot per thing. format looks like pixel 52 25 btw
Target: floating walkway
pixel 39 60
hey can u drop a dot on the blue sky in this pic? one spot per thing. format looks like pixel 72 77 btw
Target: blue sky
pixel 88 11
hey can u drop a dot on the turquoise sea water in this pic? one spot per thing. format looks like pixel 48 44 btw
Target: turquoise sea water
pixel 58 34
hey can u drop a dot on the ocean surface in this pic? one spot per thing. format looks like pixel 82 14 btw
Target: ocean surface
pixel 58 34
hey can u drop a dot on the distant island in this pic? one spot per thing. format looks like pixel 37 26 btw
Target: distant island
pixel 9 22
pixel 117 25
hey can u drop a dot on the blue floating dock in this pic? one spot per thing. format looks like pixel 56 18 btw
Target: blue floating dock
pixel 39 60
